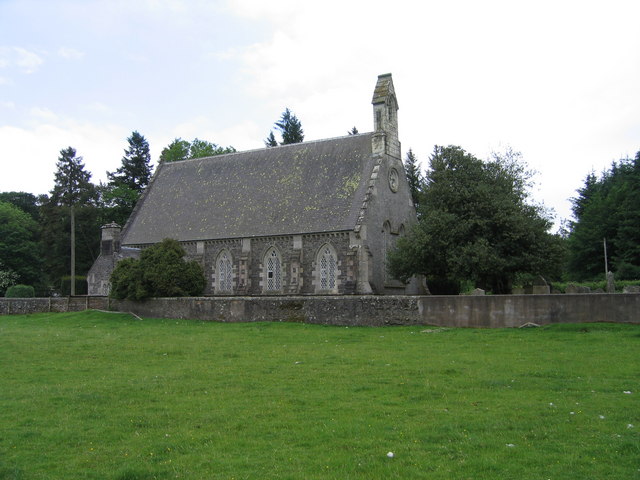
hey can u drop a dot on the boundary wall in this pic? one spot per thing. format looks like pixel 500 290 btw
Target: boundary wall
pixel 490 311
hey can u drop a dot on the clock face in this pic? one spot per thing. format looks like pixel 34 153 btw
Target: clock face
pixel 393 180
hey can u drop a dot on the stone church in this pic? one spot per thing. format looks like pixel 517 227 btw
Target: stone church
pixel 309 218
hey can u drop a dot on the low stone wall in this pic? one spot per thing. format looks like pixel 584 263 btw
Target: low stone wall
pixel 491 311
pixel 329 310
pixel 18 306
pixel 516 310
pixel 451 311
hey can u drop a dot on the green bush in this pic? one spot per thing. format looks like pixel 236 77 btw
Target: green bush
pixel 161 271
pixel 20 291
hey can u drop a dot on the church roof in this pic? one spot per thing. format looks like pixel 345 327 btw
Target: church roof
pixel 293 189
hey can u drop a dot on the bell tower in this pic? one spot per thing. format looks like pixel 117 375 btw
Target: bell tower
pixel 385 117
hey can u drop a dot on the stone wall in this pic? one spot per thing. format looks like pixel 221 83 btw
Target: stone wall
pixel 20 306
pixel 492 311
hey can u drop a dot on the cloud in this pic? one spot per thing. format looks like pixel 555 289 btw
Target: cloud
pixel 26 61
pixel 70 53
pixel 35 150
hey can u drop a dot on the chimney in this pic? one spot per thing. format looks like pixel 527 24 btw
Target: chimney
pixel 110 239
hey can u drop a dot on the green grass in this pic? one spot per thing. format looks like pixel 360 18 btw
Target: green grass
pixel 105 396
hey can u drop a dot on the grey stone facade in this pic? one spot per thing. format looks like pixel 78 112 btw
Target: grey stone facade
pixel 315 218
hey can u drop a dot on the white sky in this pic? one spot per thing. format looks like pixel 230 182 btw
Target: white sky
pixel 556 80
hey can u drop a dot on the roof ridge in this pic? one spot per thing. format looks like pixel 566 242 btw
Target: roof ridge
pixel 242 152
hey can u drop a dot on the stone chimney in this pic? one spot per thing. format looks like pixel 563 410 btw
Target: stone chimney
pixel 385 118
pixel 110 239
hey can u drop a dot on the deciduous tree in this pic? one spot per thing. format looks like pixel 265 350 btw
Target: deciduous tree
pixel 182 150
pixel 476 225
pixel 19 249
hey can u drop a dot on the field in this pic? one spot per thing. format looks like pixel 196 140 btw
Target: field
pixel 93 395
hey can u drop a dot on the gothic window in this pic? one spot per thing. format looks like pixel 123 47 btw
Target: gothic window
pixel 327 268
pixel 224 268
pixel 273 280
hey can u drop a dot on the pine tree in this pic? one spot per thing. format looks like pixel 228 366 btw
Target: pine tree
pixel 414 177
pixel 290 128
pixel 353 131
pixel 271 140
pixel 135 171
pixel 72 204
pixel 126 184
pixel 72 182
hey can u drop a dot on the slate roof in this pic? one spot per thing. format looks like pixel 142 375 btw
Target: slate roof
pixel 293 189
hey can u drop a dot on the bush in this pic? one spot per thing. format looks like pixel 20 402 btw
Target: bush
pixel 20 291
pixel 161 271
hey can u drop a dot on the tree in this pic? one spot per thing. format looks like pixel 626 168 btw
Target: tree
pixel 203 148
pixel 608 208
pixel 161 271
pixel 126 184
pixel 476 225
pixel 271 140
pixel 179 150
pixel 290 128
pixel 19 249
pixel 353 131
pixel 135 170
pixel 72 203
pixel 27 202
pixel 414 177
pixel 176 151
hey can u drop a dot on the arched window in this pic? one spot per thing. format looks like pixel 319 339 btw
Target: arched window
pixel 224 269
pixel 273 270
pixel 327 268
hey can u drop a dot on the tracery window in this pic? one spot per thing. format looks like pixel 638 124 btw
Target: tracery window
pixel 328 268
pixel 224 267
pixel 273 270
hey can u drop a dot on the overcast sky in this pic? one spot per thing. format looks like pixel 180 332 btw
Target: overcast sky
pixel 556 80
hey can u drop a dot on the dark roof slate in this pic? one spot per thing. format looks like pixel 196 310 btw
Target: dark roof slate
pixel 301 188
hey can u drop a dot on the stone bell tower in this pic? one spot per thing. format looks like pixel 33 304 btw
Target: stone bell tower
pixel 385 117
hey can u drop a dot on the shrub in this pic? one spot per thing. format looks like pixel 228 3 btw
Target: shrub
pixel 20 291
pixel 161 271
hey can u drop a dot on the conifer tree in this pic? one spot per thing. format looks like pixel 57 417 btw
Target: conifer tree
pixel 72 201
pixel 414 177
pixel 271 140
pixel 126 184
pixel 135 171
pixel 290 128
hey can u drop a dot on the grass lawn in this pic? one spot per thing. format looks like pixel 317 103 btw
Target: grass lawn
pixel 105 396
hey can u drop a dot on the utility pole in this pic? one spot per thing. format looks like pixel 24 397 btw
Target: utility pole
pixel 73 252
pixel 606 266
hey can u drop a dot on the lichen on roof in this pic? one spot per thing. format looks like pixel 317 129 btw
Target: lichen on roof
pixel 300 188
